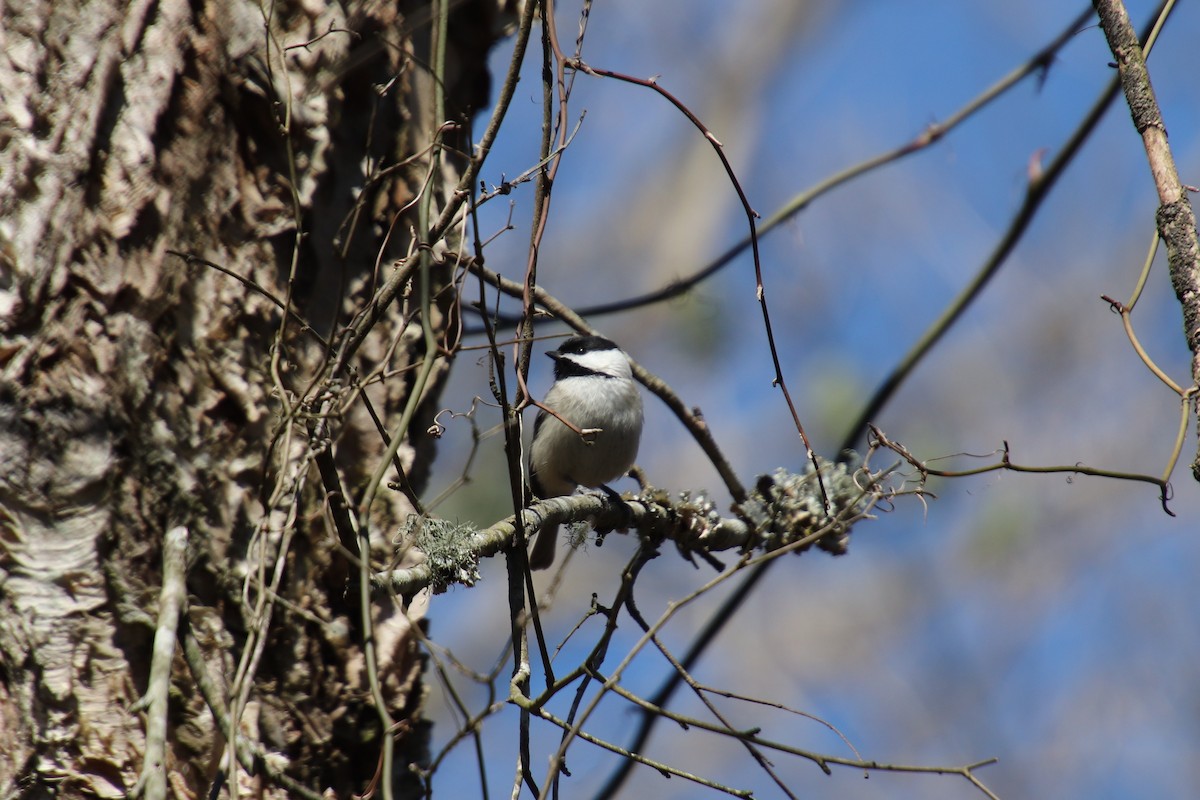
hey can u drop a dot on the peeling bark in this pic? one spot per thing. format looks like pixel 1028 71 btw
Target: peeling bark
pixel 142 391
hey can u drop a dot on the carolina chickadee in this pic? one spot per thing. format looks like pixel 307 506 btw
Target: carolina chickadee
pixel 593 388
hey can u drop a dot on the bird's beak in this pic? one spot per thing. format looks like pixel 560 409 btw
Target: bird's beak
pixel 554 354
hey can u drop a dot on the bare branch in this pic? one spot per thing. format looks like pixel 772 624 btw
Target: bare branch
pixel 152 785
pixel 1176 218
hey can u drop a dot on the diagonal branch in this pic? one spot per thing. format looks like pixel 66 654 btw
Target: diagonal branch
pixel 1038 65
pixel 1176 219
pixel 1035 194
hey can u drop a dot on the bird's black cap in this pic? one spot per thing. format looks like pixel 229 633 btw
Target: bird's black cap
pixel 577 346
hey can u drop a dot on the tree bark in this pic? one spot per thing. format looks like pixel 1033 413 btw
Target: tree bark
pixel 149 152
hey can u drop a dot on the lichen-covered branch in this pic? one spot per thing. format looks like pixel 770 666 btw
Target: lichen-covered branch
pixel 784 510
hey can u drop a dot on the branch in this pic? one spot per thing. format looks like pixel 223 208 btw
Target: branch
pixel 152 784
pixel 248 754
pixel 751 221
pixel 1035 193
pixel 1039 65
pixel 662 768
pixel 752 737
pixel 1176 219
pixel 879 439
pixel 784 511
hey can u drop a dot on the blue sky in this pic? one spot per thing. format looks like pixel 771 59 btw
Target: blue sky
pixel 1046 621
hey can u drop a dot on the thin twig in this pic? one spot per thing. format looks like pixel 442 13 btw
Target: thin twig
pixel 1127 323
pixel 1038 65
pixel 725 728
pixel 632 756
pixel 247 753
pixel 878 438
pixel 729 607
pixel 751 218
pixel 1035 193
pixel 258 289
pixel 152 784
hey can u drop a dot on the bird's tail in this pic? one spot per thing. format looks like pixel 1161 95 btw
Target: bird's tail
pixel 542 554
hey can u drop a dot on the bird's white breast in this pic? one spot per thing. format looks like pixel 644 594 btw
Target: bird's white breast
pixel 561 458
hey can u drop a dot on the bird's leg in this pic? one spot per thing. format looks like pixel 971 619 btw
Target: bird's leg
pixel 616 499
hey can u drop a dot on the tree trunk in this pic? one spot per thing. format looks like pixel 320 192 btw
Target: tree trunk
pixel 170 173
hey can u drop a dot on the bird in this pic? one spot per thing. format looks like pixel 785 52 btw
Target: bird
pixel 593 389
